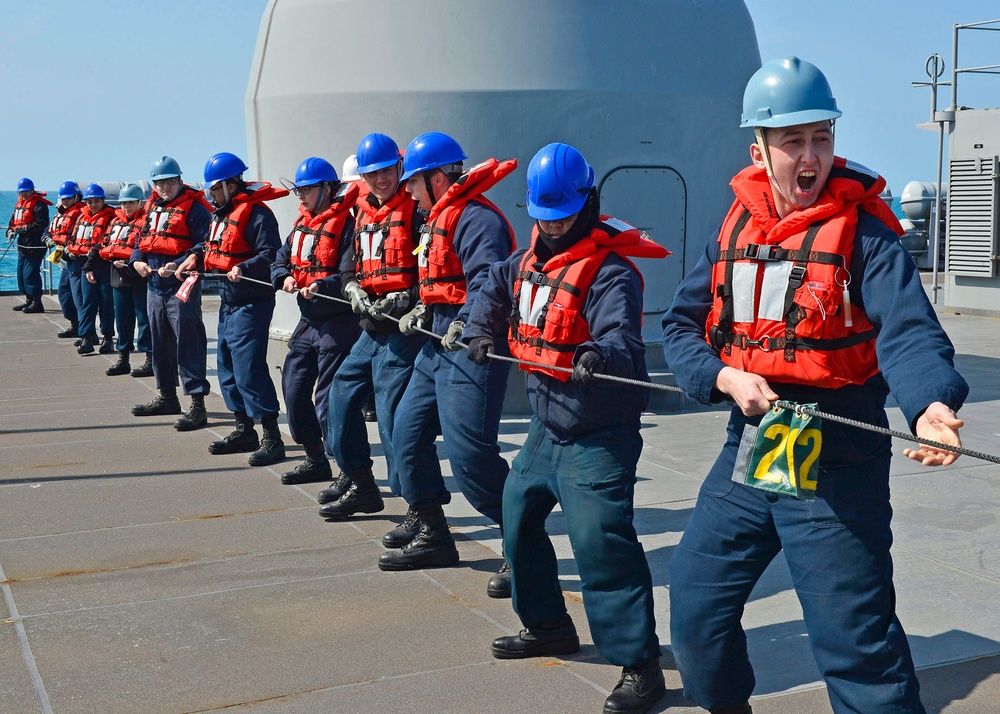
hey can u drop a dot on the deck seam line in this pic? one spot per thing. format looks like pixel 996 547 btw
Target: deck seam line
pixel 22 638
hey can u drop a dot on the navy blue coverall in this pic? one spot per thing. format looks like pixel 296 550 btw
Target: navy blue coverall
pixel 320 342
pixel 31 252
pixel 380 362
pixel 450 395
pixel 582 448
pixel 837 545
pixel 245 318
pixel 176 327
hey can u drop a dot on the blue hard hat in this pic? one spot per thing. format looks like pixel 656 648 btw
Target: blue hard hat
pixel 559 180
pixel 375 152
pixel 223 166
pixel 26 184
pixel 163 168
pixel 69 189
pixel 431 151
pixel 93 190
pixel 314 170
pixel 131 192
pixel 788 92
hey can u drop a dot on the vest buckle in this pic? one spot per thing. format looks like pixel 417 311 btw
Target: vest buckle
pixel 756 251
pixel 796 276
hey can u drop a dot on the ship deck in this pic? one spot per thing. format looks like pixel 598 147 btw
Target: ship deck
pixel 141 574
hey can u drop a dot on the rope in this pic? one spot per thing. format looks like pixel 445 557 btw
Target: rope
pixel 669 388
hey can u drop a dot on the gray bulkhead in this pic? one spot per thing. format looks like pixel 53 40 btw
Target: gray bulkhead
pixel 649 90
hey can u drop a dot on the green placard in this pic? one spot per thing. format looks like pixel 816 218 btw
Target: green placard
pixel 782 454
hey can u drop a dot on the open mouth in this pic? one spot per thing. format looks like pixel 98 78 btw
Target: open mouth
pixel 806 181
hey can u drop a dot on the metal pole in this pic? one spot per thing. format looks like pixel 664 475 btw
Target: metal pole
pixel 954 69
pixel 937 216
pixel 938 70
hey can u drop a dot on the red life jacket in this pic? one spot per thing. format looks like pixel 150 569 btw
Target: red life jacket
pixel 227 245
pixel 547 323
pixel 315 240
pixel 779 285
pixel 90 230
pixel 64 222
pixel 123 235
pixel 442 278
pixel 24 210
pixel 166 230
pixel 383 244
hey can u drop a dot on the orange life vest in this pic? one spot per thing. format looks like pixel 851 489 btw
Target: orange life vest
pixel 90 230
pixel 227 245
pixel 779 306
pixel 123 235
pixel 315 240
pixel 166 230
pixel 442 278
pixel 383 244
pixel 64 222
pixel 24 210
pixel 547 320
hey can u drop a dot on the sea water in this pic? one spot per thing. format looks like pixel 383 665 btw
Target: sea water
pixel 8 263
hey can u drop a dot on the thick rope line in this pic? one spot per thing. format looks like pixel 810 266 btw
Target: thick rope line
pixel 669 388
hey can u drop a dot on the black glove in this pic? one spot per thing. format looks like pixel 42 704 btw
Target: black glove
pixel 480 348
pixel 588 364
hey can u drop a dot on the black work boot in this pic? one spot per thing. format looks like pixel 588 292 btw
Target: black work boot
pixel 272 448
pixel 107 345
pixel 70 331
pixel 242 439
pixel 432 547
pixel 637 689
pixel 35 306
pixel 315 468
pixel 146 368
pixel 404 532
pixel 121 366
pixel 335 490
pixel 21 305
pixel 544 640
pixel 86 345
pixel 499 584
pixel 196 416
pixel 368 410
pixel 361 497
pixel 738 709
pixel 165 402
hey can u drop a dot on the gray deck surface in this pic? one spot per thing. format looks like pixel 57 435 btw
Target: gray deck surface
pixel 141 574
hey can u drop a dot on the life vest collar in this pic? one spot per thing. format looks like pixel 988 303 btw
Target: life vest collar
pixel 849 182
pixel 345 197
pixel 474 182
pixel 612 234
pixel 36 197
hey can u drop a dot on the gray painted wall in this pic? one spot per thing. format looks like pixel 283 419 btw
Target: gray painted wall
pixel 631 83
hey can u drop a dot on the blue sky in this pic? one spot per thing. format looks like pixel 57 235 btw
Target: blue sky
pixel 97 91
pixel 870 52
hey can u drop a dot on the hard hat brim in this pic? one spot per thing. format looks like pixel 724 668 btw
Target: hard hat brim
pixel 377 166
pixel 792 118
pixel 556 213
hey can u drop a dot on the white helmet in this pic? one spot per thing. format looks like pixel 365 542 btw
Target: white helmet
pixel 350 170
